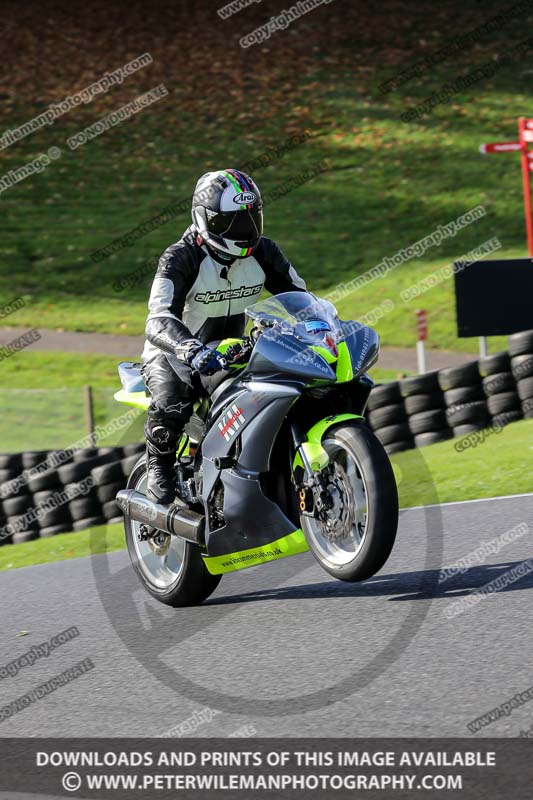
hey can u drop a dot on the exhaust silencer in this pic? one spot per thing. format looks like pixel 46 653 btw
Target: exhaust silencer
pixel 180 521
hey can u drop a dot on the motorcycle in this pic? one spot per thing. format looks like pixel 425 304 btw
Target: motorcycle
pixel 276 459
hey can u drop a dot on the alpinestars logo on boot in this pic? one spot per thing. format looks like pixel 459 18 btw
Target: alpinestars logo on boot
pixel 227 294
pixel 231 421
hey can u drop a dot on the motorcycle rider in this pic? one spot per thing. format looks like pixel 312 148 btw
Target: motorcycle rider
pixel 202 285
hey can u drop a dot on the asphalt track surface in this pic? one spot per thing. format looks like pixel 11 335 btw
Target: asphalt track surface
pixel 284 648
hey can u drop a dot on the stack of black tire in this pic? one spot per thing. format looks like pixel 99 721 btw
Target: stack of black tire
pixel 435 406
pixel 387 417
pixel 89 479
pixel 466 404
pixel 521 352
pixel 19 501
pixel 424 404
pixel 499 387
pixel 16 503
pixel 110 479
pixel 85 508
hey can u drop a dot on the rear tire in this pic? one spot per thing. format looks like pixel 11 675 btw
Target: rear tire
pixel 376 502
pixel 192 583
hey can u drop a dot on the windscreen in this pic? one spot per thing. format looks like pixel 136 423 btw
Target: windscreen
pixel 297 311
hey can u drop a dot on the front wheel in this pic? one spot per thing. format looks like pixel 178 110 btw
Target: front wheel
pixel 354 539
pixel 169 567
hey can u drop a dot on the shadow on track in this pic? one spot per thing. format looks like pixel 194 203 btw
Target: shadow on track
pixel 419 585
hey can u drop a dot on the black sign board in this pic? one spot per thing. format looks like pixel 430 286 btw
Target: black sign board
pixel 494 297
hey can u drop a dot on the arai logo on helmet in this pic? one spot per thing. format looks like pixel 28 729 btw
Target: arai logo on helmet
pixel 244 198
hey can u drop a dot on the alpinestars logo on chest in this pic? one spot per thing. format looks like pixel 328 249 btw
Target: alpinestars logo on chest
pixel 227 294
pixel 231 421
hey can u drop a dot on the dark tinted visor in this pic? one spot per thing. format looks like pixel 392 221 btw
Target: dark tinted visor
pixel 244 225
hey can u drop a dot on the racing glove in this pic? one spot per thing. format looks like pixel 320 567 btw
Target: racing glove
pixel 207 361
pixel 187 349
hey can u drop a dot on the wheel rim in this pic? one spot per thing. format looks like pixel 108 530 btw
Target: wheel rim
pixel 342 542
pixel 161 559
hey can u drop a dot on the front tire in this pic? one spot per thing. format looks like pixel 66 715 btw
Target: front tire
pixel 358 537
pixel 169 567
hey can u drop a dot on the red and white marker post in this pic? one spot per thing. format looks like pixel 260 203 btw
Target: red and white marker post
pixel 525 136
pixel 422 335
pixel 525 127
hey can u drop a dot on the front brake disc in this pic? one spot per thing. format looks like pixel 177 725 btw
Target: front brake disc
pixel 338 521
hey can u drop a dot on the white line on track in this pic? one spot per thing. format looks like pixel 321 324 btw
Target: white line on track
pixel 464 502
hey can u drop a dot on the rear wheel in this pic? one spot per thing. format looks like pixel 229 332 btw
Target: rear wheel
pixel 169 567
pixel 354 539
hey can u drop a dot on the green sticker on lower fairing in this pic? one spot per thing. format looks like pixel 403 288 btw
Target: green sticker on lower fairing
pixel 289 545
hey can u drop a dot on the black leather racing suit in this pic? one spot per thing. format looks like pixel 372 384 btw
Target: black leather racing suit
pixel 195 297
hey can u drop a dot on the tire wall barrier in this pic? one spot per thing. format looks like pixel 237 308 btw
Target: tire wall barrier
pixel 455 402
pixel 46 492
pixel 413 412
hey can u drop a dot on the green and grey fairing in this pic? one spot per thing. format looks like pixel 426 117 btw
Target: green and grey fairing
pixel 245 417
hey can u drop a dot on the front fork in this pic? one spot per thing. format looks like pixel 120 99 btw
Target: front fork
pixel 313 495
pixel 313 459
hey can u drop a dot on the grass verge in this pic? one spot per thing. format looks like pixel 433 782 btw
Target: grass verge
pixel 64 547
pixel 42 401
pixel 500 465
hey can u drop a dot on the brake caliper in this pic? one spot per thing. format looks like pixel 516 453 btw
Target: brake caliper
pixel 314 497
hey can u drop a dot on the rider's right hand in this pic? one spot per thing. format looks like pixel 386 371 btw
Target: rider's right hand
pixel 207 361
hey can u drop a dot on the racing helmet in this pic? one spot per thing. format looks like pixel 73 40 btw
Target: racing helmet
pixel 227 212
